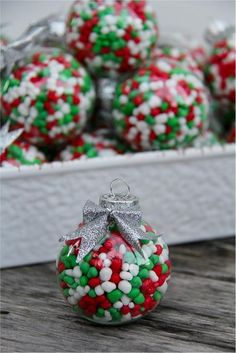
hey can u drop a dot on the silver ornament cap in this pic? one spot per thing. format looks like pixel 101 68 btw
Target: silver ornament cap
pixel 119 200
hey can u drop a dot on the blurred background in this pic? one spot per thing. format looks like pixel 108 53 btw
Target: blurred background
pixel 193 18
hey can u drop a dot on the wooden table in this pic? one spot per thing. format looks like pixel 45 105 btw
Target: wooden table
pixel 197 314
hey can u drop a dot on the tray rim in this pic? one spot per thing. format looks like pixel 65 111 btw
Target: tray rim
pixel 167 156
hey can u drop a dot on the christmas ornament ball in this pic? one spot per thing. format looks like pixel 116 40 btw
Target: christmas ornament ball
pixel 121 278
pixel 50 95
pixel 163 106
pixel 111 36
pixel 21 153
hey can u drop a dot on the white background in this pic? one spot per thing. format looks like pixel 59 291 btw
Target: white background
pixel 188 16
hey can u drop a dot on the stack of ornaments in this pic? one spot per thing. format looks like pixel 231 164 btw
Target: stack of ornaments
pixel 111 87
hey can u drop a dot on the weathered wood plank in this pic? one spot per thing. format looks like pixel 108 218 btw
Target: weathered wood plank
pixel 196 316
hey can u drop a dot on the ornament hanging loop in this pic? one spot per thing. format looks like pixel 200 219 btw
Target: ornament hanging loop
pixel 123 194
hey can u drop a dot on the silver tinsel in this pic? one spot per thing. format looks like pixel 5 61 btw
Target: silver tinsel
pixel 49 31
pixel 7 138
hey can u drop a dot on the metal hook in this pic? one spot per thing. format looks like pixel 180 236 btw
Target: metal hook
pixel 120 194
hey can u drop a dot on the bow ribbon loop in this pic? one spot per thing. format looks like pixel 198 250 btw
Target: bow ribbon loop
pixel 96 221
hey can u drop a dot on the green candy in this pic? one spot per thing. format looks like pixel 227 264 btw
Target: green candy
pixel 74 285
pixel 83 281
pixel 136 282
pixel 74 110
pixel 155 259
pixel 149 265
pixel 66 292
pixel 164 106
pixel 72 259
pixel 92 272
pixel 164 268
pixel 100 312
pixel 128 108
pixel 133 293
pixel 68 279
pixel 140 299
pixel 116 315
pixel 61 275
pixel 92 293
pixel 143 274
pixel 183 111
pixel 67 118
pixel 150 120
pixel 157 296
pixel 114 296
pixel 88 257
pixel 84 266
pixel 92 153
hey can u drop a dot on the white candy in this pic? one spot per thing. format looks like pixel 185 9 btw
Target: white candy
pixel 99 290
pixel 69 272
pixel 107 263
pixel 153 276
pixel 122 249
pixel 125 266
pixel 163 288
pixel 77 295
pixel 108 316
pixel 126 275
pixel 124 286
pixel 147 250
pixel 126 317
pixel 80 290
pixel 105 274
pixel 72 300
pixel 131 305
pixel 125 300
pixel 71 291
pixel 86 289
pixel 118 305
pixel 108 286
pixel 102 256
pixel 77 272
pixel 134 269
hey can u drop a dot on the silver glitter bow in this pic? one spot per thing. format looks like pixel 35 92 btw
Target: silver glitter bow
pixel 7 138
pixel 96 220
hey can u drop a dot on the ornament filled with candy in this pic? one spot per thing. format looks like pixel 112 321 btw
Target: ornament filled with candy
pixel 111 36
pixel 50 95
pixel 114 268
pixel 163 106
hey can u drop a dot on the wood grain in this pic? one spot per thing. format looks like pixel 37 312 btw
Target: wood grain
pixel 197 314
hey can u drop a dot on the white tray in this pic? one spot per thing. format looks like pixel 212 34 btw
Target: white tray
pixel 187 195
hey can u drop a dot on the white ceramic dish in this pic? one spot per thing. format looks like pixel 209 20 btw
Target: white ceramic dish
pixel 187 195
